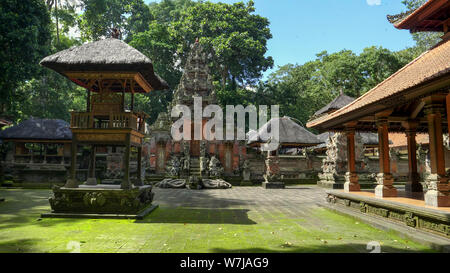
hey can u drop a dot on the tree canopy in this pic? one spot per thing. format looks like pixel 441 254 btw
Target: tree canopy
pixel 234 35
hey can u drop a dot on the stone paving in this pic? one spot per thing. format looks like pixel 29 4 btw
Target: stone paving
pixel 242 219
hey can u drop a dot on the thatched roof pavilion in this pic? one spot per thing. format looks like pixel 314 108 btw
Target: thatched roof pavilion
pixel 106 59
pixel 291 134
pixel 336 104
pixel 38 130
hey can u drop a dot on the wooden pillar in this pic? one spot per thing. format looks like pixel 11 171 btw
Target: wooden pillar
pixel 385 180
pixel 438 194
pixel 132 102
pixel 351 177
pixel 92 181
pixel 72 181
pixel 139 181
pixel 126 184
pixel 88 101
pixel 413 184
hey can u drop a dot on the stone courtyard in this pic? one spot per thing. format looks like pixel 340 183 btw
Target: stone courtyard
pixel 242 219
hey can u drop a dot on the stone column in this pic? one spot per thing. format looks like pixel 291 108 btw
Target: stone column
pixel 72 181
pixel 385 180
pixel 413 185
pixel 139 181
pixel 351 177
pixel 126 184
pixel 437 182
pixel 92 181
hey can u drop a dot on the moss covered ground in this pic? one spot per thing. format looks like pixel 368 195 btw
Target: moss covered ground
pixel 183 229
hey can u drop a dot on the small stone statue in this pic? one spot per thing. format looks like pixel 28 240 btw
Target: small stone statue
pixel 215 169
pixel 204 161
pixel 246 170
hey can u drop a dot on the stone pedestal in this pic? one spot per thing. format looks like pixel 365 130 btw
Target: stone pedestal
pixel 351 182
pixel 273 185
pixel 438 194
pixel 98 201
pixel 385 186
pixel 91 181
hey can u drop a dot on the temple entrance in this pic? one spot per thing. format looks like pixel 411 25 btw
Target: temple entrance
pixel 228 166
pixel 161 159
pixel 195 148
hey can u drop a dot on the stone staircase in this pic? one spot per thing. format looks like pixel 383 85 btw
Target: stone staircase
pixel 195 167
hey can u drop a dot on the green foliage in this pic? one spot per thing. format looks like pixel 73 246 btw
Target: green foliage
pixel 100 16
pixel 25 39
pixel 236 36
pixel 315 83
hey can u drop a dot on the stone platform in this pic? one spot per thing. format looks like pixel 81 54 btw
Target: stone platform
pixel 410 211
pixel 101 201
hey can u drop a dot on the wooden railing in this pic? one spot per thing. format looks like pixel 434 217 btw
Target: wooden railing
pixel 92 120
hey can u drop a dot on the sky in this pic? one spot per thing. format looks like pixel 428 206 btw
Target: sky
pixel 303 28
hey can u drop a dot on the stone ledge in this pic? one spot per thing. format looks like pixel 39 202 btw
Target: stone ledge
pixel 432 240
pixel 421 218
pixel 139 216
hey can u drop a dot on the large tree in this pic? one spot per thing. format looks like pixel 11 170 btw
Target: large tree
pixel 99 17
pixel 25 38
pixel 236 36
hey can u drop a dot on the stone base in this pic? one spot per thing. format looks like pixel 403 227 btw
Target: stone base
pixel 421 218
pixel 71 183
pixel 273 185
pixel 385 191
pixel 140 216
pixel 385 186
pixel 437 199
pixel 91 181
pixel 101 199
pixel 349 187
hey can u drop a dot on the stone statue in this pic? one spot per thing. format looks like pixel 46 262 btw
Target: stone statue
pixel 246 170
pixel 215 169
pixel 204 161
pixel 173 168
pixel 171 184
pixel 215 184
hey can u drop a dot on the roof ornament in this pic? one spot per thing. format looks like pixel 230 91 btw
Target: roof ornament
pixel 115 33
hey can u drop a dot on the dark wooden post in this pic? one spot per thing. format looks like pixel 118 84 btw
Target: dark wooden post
pixel 438 194
pixel 351 177
pixel 91 177
pixel 385 180
pixel 139 181
pixel 126 177
pixel 413 185
pixel 72 181
pixel 88 101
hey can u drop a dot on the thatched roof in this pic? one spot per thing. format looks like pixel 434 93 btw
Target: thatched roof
pixel 368 139
pixel 290 133
pixel 108 55
pixel 339 102
pixel 39 129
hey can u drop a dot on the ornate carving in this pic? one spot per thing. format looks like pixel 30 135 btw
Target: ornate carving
pixel 215 168
pixel 94 199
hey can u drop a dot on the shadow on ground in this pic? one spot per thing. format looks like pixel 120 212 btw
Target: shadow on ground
pixel 343 248
pixel 181 215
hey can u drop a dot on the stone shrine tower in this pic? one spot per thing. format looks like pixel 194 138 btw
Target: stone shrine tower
pixel 198 158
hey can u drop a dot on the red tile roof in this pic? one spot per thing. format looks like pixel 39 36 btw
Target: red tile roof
pixel 430 65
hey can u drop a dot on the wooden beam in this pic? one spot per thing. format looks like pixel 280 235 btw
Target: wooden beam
pixel 415 112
